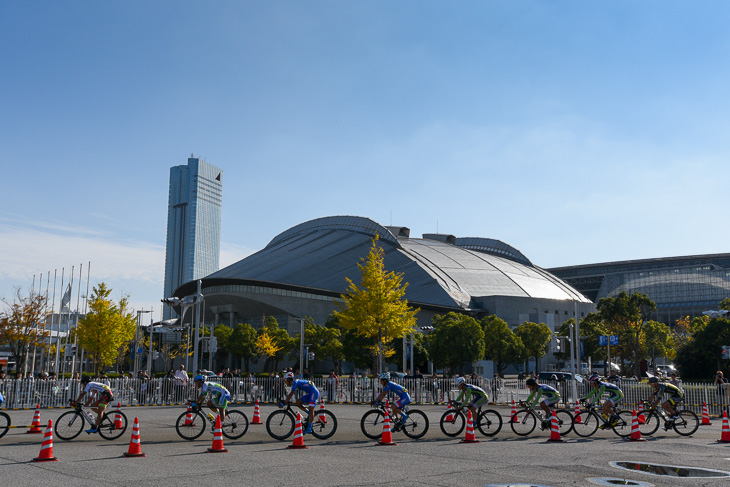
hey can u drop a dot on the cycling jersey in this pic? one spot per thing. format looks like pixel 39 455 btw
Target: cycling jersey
pixel 551 395
pixel 311 393
pixel 2 399
pixel 671 389
pixel 104 391
pixel 221 394
pixel 403 397
pixel 479 395
pixel 615 394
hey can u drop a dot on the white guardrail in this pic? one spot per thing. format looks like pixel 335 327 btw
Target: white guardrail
pixel 27 393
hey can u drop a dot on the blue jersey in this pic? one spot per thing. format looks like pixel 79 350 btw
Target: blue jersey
pixel 305 386
pixel 2 399
pixel 400 391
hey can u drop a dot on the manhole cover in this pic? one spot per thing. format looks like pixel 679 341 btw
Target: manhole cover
pixel 670 470
pixel 610 481
pixel 515 485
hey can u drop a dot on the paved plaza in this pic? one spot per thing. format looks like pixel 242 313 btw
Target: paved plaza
pixel 348 458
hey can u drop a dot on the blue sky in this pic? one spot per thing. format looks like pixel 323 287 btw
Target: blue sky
pixel 578 132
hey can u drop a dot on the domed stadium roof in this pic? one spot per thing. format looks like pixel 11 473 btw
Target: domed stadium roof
pixel 440 269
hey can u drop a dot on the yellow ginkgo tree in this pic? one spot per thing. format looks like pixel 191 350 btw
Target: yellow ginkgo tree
pixel 266 346
pixel 377 308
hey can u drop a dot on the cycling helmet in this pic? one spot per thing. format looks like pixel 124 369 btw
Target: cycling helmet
pixel 85 379
pixel 458 381
pixel 385 376
pixel 653 380
pixel 289 375
pixel 531 382
pixel 594 378
pixel 199 378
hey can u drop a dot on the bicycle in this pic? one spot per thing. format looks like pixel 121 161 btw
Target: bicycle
pixel 524 420
pixel 588 419
pixel 4 423
pixel 453 421
pixel 191 424
pixel 685 425
pixel 280 424
pixel 371 424
pixel 70 424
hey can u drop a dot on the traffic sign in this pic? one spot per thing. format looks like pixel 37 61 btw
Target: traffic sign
pixel 602 340
pixel 613 339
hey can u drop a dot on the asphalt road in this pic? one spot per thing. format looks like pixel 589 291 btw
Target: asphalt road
pixel 348 458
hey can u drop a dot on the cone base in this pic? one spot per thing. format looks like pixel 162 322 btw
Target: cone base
pixel 253 422
pixel 637 439
pixel 556 441
pixel 705 424
pixel 33 432
pixel 52 459
pixel 297 447
pixel 140 454
pixel 386 443
pixel 221 450
pixel 470 441
pixel 723 441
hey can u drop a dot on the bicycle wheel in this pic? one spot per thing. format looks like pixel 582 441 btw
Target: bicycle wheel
pixel 687 423
pixel 189 429
pixel 371 424
pixel 324 425
pixel 4 424
pixel 280 424
pixel 565 421
pixel 624 425
pixel 523 422
pixel 107 430
pixel 490 422
pixel 585 423
pixel 650 424
pixel 416 425
pixel 235 425
pixel 69 425
pixel 452 423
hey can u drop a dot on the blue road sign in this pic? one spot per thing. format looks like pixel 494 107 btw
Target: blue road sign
pixel 613 339
pixel 602 340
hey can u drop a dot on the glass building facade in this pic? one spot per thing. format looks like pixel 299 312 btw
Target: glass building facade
pixel 193 224
pixel 680 286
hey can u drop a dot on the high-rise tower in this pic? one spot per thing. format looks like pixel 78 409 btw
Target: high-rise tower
pixel 193 224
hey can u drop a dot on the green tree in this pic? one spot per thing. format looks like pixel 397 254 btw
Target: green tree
pixel 420 355
pixel 107 327
pixel 502 346
pixel 685 328
pixel 658 340
pixel 591 327
pixel 324 342
pixel 699 358
pixel 21 326
pixel 222 334
pixel 535 337
pixel 242 343
pixel 625 316
pixel 377 308
pixel 455 339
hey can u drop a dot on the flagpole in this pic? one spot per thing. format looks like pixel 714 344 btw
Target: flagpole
pixel 86 304
pixel 35 330
pixel 53 319
pixel 68 318
pixel 60 313
pixel 76 323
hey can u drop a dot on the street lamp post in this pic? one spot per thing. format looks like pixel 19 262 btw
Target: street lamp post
pixel 136 341
pixel 195 300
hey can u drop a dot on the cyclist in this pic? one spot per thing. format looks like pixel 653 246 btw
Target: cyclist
pixel 615 395
pixel 474 396
pixel 2 399
pixel 222 396
pixel 676 396
pixel 310 397
pixel 543 394
pixel 403 397
pixel 95 389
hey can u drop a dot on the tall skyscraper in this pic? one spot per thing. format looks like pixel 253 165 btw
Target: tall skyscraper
pixel 193 224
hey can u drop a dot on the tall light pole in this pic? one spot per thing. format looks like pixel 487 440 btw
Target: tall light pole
pixel 195 300
pixel 136 341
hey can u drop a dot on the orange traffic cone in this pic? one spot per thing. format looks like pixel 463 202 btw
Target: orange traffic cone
pixel 35 426
pixel 450 417
pixel 189 417
pixel 470 438
pixel 46 454
pixel 577 413
pixel 298 442
pixel 641 418
pixel 705 415
pixel 555 430
pixel 256 414
pixel 217 438
pixel 118 424
pixel 635 432
pixel 387 438
pixel 135 447
pixel 725 438
pixel 322 417
pixel 513 415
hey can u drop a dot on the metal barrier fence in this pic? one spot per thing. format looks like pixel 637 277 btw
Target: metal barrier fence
pixel 27 393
